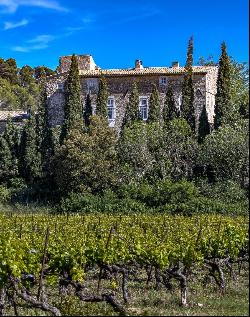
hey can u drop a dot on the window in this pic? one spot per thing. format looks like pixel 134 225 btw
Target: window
pixel 111 108
pixel 179 100
pixel 143 108
pixel 60 86
pixel 198 93
pixel 163 80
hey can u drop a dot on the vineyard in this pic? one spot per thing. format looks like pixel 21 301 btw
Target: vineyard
pixel 97 258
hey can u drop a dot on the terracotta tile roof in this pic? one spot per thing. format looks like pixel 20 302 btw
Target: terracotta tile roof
pixel 14 115
pixel 138 72
pixel 144 71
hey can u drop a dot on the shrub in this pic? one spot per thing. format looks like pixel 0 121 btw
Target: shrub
pixel 4 194
pixel 107 203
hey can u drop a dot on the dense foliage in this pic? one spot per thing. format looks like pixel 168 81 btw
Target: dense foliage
pixel 19 88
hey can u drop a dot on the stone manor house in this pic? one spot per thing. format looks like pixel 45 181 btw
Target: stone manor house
pixel 120 82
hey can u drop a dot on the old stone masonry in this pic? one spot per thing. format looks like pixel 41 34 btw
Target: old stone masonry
pixel 120 82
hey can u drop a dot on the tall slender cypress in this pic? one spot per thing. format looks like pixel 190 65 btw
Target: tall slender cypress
pixel 204 126
pixel 170 111
pixel 12 136
pixel 102 99
pixel 132 109
pixel 154 106
pixel 187 105
pixel 30 156
pixel 42 114
pixel 73 110
pixel 88 111
pixel 223 95
pixel 7 170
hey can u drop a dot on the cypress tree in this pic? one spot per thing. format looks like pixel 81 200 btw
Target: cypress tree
pixel 204 127
pixel 102 99
pixel 6 163
pixel 30 157
pixel 42 114
pixel 154 106
pixel 11 135
pixel 223 95
pixel 73 112
pixel 88 111
pixel 170 111
pixel 44 134
pixel 132 109
pixel 187 106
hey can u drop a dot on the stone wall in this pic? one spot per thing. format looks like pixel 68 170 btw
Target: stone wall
pixel 85 62
pixel 120 88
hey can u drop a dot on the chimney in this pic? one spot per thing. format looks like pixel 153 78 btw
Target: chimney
pixel 175 64
pixel 138 64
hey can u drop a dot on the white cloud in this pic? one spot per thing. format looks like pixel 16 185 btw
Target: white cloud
pixel 45 38
pixel 38 43
pixel 88 20
pixel 13 25
pixel 11 6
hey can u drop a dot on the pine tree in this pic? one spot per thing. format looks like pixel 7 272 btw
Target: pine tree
pixel 170 111
pixel 30 157
pixel 154 106
pixel 187 106
pixel 204 127
pixel 223 95
pixel 73 110
pixel 88 111
pixel 132 109
pixel 6 168
pixel 102 99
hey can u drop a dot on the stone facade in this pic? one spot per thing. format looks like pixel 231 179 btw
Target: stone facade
pixel 120 82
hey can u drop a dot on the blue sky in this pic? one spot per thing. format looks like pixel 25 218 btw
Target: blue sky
pixel 115 33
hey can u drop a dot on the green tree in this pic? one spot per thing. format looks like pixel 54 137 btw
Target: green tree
pixel 8 70
pixel 30 157
pixel 40 71
pixel 132 110
pixel 187 105
pixel 26 76
pixel 209 61
pixel 204 126
pixel 12 137
pixel 73 110
pixel 226 152
pixel 154 106
pixel 239 88
pixel 88 111
pixel 7 170
pixel 170 111
pixel 223 98
pixel 8 99
pixel 87 161
pixel 45 138
pixel 135 158
pixel 102 99
pixel 180 149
